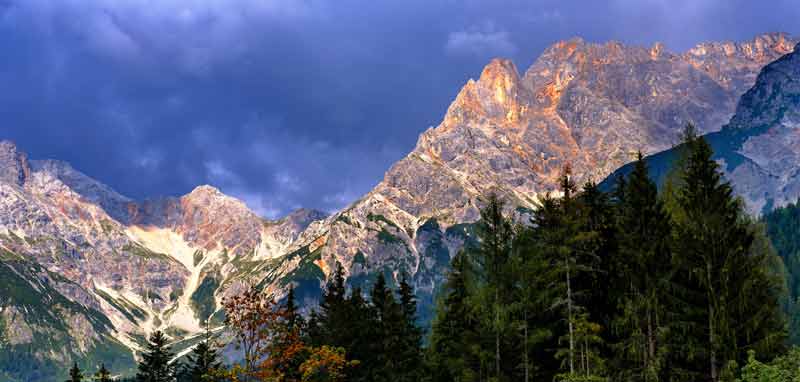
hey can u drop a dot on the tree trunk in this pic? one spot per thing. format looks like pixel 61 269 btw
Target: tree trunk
pixel 497 330
pixel 569 323
pixel 651 340
pixel 527 364
pixel 712 347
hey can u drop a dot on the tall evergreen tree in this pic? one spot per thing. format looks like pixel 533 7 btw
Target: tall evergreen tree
pixel 645 261
pixel 294 319
pixel 75 374
pixel 389 330
pixel 362 328
pixel 452 352
pixel 204 359
pixel 565 239
pixel 729 300
pixel 348 323
pixel 493 260
pixel 155 365
pixel 332 317
pixel 410 350
pixel 102 375
pixel 532 318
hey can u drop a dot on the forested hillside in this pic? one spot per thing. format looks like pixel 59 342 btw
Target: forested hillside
pixel 633 285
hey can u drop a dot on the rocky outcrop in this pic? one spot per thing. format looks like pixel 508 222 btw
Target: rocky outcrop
pixel 759 150
pixel 589 106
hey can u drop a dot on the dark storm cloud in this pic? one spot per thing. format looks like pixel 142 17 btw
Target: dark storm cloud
pixel 288 103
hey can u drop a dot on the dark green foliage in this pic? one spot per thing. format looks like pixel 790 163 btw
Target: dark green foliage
pixel 782 369
pixel 203 361
pixel 452 355
pixel 75 374
pixel 492 259
pixel 102 375
pixel 626 286
pixel 387 330
pixel 728 300
pixel 155 366
pixel 783 230
pixel 644 262
pixel 409 367
pixel 347 322
pixel 381 334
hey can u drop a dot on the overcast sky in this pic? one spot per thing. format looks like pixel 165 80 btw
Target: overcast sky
pixel 289 103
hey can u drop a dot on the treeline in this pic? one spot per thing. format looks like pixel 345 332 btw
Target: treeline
pixel 631 285
pixel 350 337
pixel 783 230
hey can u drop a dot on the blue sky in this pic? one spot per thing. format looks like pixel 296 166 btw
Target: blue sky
pixel 289 103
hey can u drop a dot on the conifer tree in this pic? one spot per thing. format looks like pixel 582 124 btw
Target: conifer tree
pixel 452 352
pixel 75 374
pixel 410 349
pixel 294 319
pixel 645 261
pixel 332 316
pixel 362 328
pixel 204 360
pixel 493 259
pixel 571 247
pixel 730 305
pixel 389 329
pixel 155 364
pixel 348 323
pixel 532 319
pixel 102 375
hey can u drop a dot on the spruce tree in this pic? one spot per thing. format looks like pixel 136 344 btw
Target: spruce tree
pixel 362 329
pixel 493 259
pixel 729 298
pixel 155 364
pixel 75 374
pixel 102 375
pixel 410 349
pixel 645 263
pixel 204 359
pixel 452 354
pixel 389 330
pixel 566 240
pixel 532 317
pixel 348 323
pixel 294 319
pixel 332 317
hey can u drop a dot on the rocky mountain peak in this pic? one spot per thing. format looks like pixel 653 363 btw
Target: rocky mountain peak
pixel 205 190
pixel 761 47
pixel 305 216
pixel 14 166
pixel 758 148
pixel 211 198
pixel 498 94
pixel 775 98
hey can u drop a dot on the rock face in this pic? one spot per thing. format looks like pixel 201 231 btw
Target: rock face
pixel 87 269
pixel 126 268
pixel 759 150
pixel 589 106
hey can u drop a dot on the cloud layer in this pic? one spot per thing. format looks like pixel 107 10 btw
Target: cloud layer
pixel 288 103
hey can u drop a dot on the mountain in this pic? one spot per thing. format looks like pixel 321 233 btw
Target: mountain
pixel 87 269
pixel 99 271
pixel 758 148
pixel 590 106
